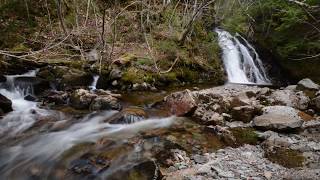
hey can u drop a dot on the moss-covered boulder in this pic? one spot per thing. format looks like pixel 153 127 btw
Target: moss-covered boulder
pixel 66 77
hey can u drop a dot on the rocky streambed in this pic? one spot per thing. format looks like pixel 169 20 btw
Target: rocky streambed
pixel 226 132
pixel 282 126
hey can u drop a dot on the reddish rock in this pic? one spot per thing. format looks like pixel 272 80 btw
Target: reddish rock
pixel 180 103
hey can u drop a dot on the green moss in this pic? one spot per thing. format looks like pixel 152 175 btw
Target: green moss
pixel 20 48
pixel 133 75
pixel 169 77
pixel 144 61
pixel 286 157
pixel 245 135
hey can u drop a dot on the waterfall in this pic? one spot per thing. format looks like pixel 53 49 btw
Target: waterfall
pixel 242 63
pixel 24 112
pixel 93 85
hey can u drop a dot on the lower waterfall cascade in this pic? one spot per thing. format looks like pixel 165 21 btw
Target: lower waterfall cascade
pixel 242 63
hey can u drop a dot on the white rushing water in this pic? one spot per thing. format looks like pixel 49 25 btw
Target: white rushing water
pixel 48 147
pixel 241 61
pixel 24 112
pixel 51 146
pixel 93 85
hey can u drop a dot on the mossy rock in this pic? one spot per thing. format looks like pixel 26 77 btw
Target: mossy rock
pixel 286 157
pixel 133 75
pixel 66 76
pixel 245 136
pixel 76 78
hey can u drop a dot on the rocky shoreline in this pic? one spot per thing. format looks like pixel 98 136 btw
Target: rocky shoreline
pixel 286 123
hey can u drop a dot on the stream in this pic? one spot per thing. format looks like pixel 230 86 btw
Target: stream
pixel 88 147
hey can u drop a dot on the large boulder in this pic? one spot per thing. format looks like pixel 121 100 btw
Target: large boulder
pixel 95 101
pixel 57 97
pixel 243 113
pixel 81 99
pixel 278 118
pixel 105 102
pixel 290 98
pixel 180 103
pixel 75 77
pixel 115 74
pixel 65 76
pixel 5 104
pixel 308 87
pixel 208 117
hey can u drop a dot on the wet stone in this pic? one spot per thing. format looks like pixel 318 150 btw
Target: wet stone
pixel 199 159
pixel 30 98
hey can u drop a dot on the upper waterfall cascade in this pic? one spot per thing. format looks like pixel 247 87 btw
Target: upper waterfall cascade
pixel 241 61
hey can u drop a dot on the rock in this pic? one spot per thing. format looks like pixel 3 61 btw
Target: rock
pixel 207 117
pixel 57 97
pixel 143 170
pixel 308 87
pixel 237 101
pixel 140 87
pixel 105 102
pixel 115 74
pixel 75 77
pixel 245 162
pixel 290 98
pixel 226 117
pixel 89 165
pixel 127 116
pixel 2 78
pixel 40 86
pixel 303 174
pixel 316 102
pixel 243 113
pixel 311 112
pixel 5 104
pixel 224 134
pixel 30 98
pixel 265 91
pixel 291 87
pixel 81 99
pixel 180 103
pixel 114 83
pixel 199 159
pixel 101 92
pixel 278 118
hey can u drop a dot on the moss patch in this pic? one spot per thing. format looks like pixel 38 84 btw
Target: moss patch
pixel 245 136
pixel 286 157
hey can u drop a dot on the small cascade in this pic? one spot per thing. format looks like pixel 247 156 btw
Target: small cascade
pixel 24 112
pixel 242 63
pixel 15 83
pixel 93 85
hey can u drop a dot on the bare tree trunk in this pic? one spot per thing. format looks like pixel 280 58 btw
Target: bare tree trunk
pixel 190 23
pixel 61 18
